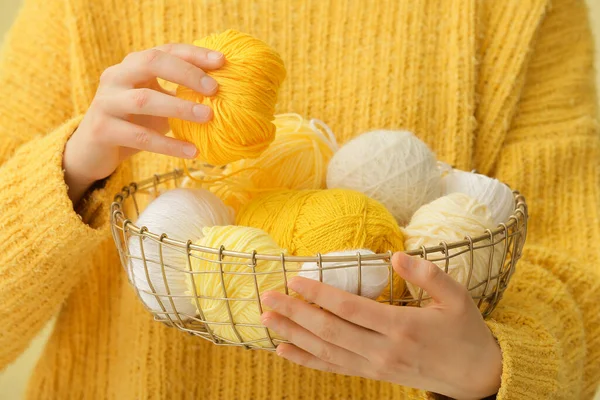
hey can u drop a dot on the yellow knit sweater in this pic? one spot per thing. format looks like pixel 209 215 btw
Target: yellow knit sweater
pixel 505 87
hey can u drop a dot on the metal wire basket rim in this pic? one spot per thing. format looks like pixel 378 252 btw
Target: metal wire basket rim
pixel 519 212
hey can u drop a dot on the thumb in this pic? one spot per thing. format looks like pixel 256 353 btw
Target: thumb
pixel 431 278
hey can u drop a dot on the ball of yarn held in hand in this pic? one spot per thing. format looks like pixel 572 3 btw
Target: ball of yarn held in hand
pixel 244 106
pixel 297 159
pixel 344 275
pixel 491 192
pixel 239 282
pixel 451 218
pixel 393 167
pixel 181 214
pixel 307 222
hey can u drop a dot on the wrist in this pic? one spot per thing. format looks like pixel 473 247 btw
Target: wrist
pixel 77 182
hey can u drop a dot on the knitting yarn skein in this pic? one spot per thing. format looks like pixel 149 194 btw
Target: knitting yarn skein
pixel 236 284
pixel 181 214
pixel 451 218
pixel 491 192
pixel 374 275
pixel 244 106
pixel 297 159
pixel 393 167
pixel 307 222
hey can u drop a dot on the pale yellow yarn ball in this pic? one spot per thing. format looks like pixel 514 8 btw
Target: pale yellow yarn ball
pixel 450 219
pixel 297 159
pixel 239 283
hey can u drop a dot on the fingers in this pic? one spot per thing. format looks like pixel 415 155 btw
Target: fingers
pixel 306 340
pixel 125 134
pixel 199 56
pixel 151 102
pixel 319 323
pixel 428 276
pixel 177 63
pixel 306 359
pixel 355 309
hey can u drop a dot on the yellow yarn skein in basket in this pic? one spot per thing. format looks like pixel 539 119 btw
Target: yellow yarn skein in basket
pixel 307 222
pixel 244 106
pixel 297 159
pixel 235 288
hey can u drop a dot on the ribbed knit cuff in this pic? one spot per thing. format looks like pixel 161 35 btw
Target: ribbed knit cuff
pixel 527 361
pixel 34 178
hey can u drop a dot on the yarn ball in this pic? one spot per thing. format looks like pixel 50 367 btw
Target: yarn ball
pixel 181 214
pixel 244 106
pixel 238 283
pixel 393 167
pixel 297 159
pixel 344 275
pixel 451 218
pixel 491 192
pixel 307 222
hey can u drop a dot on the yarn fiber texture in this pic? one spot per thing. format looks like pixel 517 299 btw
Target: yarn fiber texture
pixel 344 275
pixel 297 159
pixel 238 283
pixel 181 214
pixel 449 219
pixel 307 222
pixel 491 192
pixel 393 167
pixel 244 106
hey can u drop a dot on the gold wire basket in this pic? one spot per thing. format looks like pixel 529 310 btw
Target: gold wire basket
pixel 506 242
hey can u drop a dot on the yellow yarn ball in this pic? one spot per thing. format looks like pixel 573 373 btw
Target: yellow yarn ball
pixel 244 106
pixel 238 283
pixel 307 222
pixel 297 159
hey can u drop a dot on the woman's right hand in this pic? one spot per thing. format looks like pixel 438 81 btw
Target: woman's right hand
pixel 130 112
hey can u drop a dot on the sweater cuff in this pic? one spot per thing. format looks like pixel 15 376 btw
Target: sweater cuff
pixel 40 188
pixel 526 361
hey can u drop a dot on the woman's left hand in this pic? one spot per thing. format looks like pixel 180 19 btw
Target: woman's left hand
pixel 444 348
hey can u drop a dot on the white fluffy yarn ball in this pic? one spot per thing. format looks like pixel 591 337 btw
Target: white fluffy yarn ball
pixel 450 219
pixel 374 274
pixel 491 192
pixel 393 167
pixel 181 214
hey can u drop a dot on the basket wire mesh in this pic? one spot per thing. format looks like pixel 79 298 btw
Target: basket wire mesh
pixel 506 242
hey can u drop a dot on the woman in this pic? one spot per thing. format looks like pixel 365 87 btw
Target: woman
pixel 503 87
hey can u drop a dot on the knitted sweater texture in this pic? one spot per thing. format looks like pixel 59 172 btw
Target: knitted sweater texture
pixel 504 87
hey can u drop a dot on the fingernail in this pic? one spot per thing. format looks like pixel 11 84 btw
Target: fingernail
pixel 208 83
pixel 265 320
pixel 267 300
pixel 279 351
pixel 189 150
pixel 409 262
pixel 201 111
pixel 214 55
pixel 293 284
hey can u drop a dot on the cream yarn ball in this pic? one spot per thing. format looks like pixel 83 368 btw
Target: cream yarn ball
pixel 181 214
pixel 450 219
pixel 344 275
pixel 393 167
pixel 491 192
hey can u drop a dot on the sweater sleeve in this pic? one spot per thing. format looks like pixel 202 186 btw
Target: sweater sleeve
pixel 41 235
pixel 548 323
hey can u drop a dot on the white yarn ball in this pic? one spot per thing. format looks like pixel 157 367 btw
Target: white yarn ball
pixel 374 274
pixel 181 214
pixel 491 192
pixel 393 167
pixel 450 219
